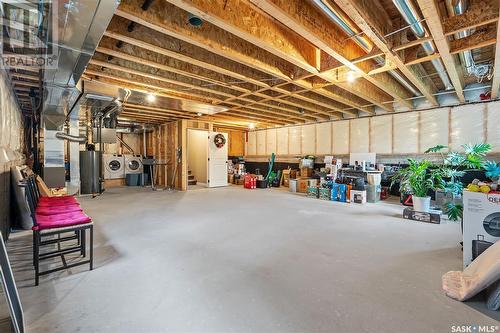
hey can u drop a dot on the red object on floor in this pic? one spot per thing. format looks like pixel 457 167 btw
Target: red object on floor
pixel 250 181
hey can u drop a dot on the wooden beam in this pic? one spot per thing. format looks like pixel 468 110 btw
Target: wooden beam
pixel 476 40
pixel 172 21
pixel 362 13
pixel 481 12
pixel 433 19
pixel 413 43
pixel 303 18
pixel 148 40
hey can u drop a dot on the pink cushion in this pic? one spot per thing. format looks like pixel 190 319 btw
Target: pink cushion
pixel 61 220
pixel 54 210
pixel 57 203
pixel 58 199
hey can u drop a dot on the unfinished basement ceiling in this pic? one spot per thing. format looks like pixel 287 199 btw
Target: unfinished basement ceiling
pixel 281 62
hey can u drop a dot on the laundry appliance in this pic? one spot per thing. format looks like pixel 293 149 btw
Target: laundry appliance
pixel 133 164
pixel 114 166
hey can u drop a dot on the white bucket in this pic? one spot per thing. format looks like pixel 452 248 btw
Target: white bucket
pixel 292 184
pixel 421 204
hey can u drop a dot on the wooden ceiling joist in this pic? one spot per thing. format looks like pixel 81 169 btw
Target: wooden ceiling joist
pixel 476 40
pixel 480 12
pixel 430 12
pixel 303 18
pixel 151 40
pixel 495 83
pixel 364 15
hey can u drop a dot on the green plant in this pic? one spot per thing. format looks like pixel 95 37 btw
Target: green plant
pixel 453 167
pixel 492 170
pixel 418 178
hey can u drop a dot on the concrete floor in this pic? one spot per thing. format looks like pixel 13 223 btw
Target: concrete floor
pixel 235 260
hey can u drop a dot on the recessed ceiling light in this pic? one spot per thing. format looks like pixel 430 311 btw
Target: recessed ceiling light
pixel 151 98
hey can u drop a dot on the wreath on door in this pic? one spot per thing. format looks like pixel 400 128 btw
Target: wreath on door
pixel 219 140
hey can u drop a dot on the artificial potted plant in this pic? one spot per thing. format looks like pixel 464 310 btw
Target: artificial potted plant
pixel 454 166
pixel 418 179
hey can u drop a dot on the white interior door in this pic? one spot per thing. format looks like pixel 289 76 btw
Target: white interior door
pixel 217 161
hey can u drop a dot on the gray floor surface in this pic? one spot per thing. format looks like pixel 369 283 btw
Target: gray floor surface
pixel 235 260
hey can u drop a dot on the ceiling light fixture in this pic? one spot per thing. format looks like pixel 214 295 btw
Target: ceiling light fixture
pixel 251 125
pixel 350 77
pixel 199 114
pixel 151 98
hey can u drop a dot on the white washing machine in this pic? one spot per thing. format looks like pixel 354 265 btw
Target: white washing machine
pixel 133 164
pixel 114 166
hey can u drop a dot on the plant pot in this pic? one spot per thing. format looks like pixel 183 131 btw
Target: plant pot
pixel 421 204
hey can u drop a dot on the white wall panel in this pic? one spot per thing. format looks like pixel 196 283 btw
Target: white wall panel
pixel 434 126
pixel 271 141
pixel 360 137
pixel 494 126
pixel 467 125
pixel 405 126
pixel 294 139
pixel 381 134
pixel 308 139
pixel 340 132
pixel 324 138
pixel 261 142
pixel 282 140
pixel 252 144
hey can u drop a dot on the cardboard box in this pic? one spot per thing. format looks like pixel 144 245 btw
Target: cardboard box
pixel 431 217
pixel 325 194
pixel 358 197
pixel 481 223
pixel 313 192
pixel 306 172
pixel 293 174
pixel 339 192
pixel 302 185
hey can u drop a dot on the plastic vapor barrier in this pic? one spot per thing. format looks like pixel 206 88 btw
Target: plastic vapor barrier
pixel 399 133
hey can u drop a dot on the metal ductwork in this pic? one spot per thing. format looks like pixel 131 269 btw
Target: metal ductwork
pixel 458 7
pixel 80 26
pixel 411 16
pixel 363 42
pixel 71 138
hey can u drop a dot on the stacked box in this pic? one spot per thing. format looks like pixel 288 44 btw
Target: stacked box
pixel 339 192
pixel 325 194
pixel 312 192
pixel 358 196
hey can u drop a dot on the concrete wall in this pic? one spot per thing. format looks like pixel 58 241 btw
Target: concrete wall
pixel 198 154
pixel 10 149
pixel 399 134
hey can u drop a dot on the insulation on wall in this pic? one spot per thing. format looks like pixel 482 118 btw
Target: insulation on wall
pixel 261 143
pixel 360 139
pixel 493 128
pixel 308 138
pixel 271 141
pixel 252 144
pixel 324 138
pixel 282 140
pixel 467 125
pixel 294 140
pixel 405 132
pixel 434 126
pixel 381 134
pixel 340 132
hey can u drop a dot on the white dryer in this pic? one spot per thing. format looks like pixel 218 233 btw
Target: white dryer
pixel 114 166
pixel 133 164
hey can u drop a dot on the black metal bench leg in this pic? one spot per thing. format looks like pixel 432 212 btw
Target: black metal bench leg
pixel 34 253
pixel 83 242
pixel 91 234
pixel 36 247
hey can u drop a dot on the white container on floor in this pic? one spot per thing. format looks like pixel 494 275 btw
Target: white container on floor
pixel 421 204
